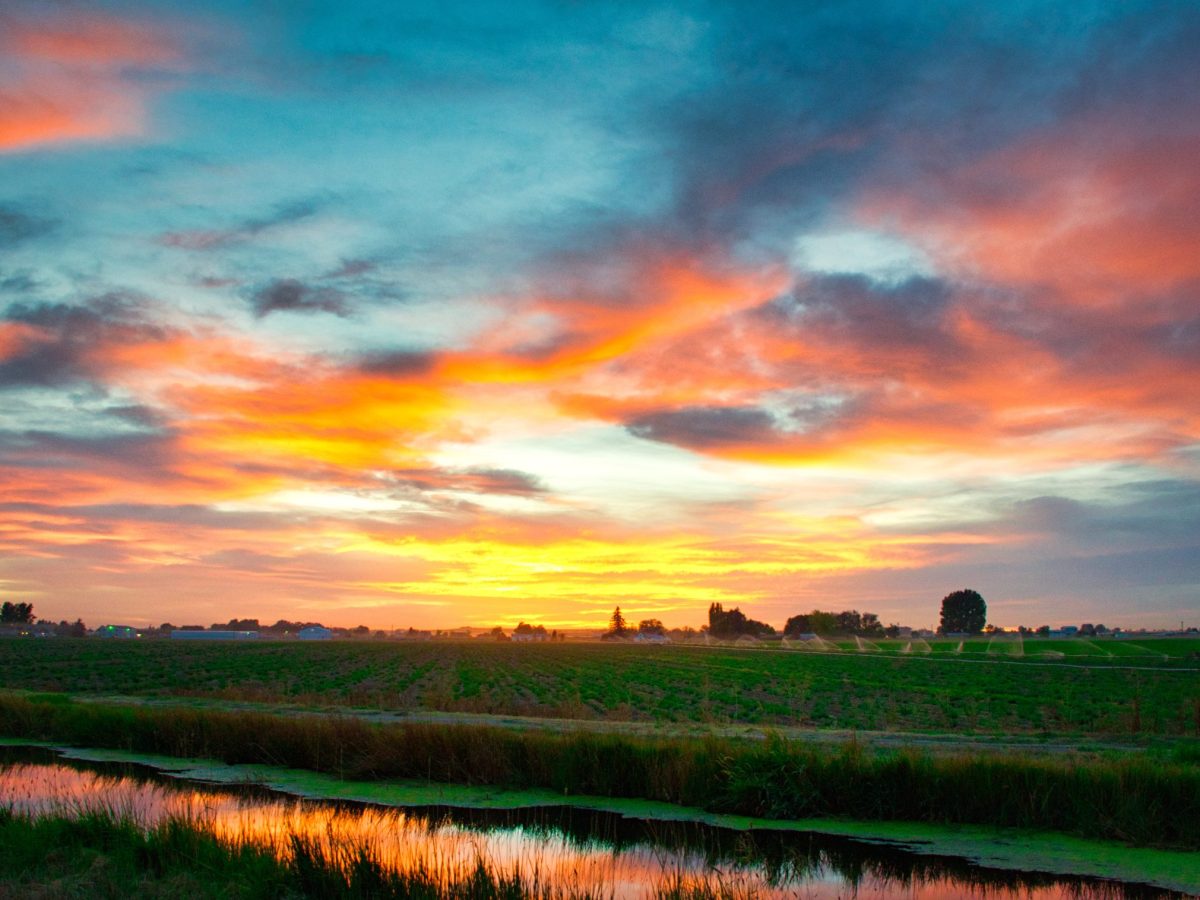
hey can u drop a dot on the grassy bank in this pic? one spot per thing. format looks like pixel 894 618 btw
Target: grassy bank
pixel 1146 802
pixel 967 693
pixel 101 855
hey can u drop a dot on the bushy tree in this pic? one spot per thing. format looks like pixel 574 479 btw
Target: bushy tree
pixel 963 611
pixel 16 613
pixel 651 626
pixel 733 623
pixel 849 621
pixel 871 626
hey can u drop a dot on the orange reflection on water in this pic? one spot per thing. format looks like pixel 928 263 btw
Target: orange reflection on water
pixel 449 852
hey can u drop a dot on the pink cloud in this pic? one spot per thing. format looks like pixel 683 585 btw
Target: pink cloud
pixel 77 79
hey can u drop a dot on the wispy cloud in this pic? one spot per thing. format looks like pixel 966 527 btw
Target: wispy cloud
pixel 80 77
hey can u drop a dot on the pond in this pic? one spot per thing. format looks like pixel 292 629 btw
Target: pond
pixel 569 850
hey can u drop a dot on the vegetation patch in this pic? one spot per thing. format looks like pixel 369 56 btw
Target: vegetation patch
pixel 1011 849
pixel 883 688
pixel 1143 801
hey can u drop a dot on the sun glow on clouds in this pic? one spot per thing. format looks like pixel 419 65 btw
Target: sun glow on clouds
pixel 764 361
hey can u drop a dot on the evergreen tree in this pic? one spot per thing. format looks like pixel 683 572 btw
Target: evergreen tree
pixel 617 624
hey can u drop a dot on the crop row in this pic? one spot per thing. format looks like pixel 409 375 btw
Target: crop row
pixel 655 684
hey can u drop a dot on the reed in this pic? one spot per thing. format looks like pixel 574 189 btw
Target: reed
pixel 1140 800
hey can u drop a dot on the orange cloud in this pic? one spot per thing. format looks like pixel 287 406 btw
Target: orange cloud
pixel 72 79
pixel 582 328
pixel 1102 209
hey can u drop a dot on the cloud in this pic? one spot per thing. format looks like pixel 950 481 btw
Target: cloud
pixel 78 77
pixel 706 427
pixel 474 480
pixel 290 295
pixel 353 268
pixel 58 343
pixel 142 452
pixel 17 226
pixel 218 238
pixel 399 363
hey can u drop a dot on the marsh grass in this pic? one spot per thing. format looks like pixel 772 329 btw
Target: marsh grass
pixel 103 855
pixel 1148 801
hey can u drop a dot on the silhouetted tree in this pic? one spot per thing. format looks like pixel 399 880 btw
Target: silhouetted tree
pixel 963 611
pixel 651 626
pixel 16 613
pixel 236 625
pixel 870 625
pixel 617 625
pixel 815 622
pixel 733 623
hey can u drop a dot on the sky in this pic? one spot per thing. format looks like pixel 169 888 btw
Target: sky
pixel 436 315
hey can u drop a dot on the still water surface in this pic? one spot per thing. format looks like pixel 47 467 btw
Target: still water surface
pixel 576 851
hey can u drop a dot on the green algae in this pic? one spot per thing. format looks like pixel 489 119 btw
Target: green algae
pixel 1001 848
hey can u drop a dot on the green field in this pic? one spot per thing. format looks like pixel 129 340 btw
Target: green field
pixel 977 690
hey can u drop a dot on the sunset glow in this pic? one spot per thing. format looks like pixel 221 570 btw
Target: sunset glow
pixel 361 313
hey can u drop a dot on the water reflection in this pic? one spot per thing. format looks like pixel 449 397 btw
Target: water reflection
pixel 574 851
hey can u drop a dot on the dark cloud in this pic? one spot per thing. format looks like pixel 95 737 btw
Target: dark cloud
pixel 138 414
pixel 146 453
pixel 852 309
pixel 166 514
pixel 706 426
pixel 69 339
pixel 474 480
pixel 352 268
pixel 399 363
pixel 290 295
pixel 18 283
pixel 505 481
pixel 17 226
pixel 1155 513
pixel 820 420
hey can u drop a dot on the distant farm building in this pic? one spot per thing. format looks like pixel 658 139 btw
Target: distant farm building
pixel 314 633
pixel 189 635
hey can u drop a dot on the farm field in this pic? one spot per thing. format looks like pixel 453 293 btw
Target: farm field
pixel 972 691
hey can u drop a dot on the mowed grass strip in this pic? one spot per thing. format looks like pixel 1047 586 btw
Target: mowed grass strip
pixel 976 693
pixel 1140 800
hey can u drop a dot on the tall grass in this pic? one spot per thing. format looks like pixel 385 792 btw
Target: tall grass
pixel 1143 801
pixel 99 855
